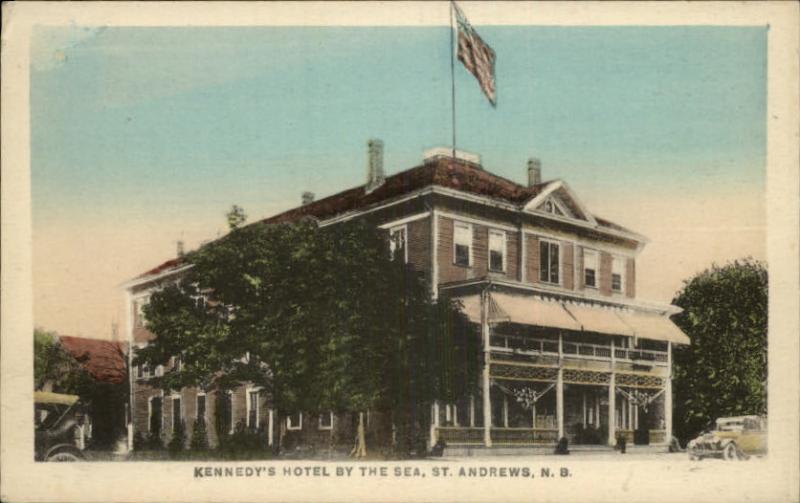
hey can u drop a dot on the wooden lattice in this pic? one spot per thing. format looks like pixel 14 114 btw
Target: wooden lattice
pixel 576 376
pixel 640 381
pixel 523 372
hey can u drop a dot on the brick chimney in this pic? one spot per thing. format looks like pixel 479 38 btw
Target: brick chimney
pixel 308 198
pixel 375 176
pixel 534 171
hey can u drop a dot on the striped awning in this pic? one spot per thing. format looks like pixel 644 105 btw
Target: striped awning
pixel 544 312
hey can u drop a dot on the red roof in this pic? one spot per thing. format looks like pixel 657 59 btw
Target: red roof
pixel 444 172
pixel 104 360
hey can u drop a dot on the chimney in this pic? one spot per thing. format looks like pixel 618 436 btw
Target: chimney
pixel 308 198
pixel 534 171
pixel 180 248
pixel 375 175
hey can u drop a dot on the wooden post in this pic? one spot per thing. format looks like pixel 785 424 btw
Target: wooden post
pixel 612 410
pixel 505 410
pixel 583 407
pixel 472 410
pixel 434 422
pixel 668 395
pixel 271 424
pixel 560 388
pixel 487 355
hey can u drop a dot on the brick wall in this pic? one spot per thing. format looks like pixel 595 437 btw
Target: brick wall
pixel 580 278
pixel 419 245
pixel 567 265
pixel 630 278
pixel 449 271
pixel 604 274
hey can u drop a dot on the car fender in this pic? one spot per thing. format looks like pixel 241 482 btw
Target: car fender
pixel 56 447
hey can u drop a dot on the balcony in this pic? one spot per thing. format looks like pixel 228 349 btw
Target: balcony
pixel 465 435
pixel 517 345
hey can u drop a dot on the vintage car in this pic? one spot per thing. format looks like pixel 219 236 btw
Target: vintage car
pixel 58 418
pixel 733 438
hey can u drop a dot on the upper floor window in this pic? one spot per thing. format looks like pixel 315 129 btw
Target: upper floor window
pixel 617 274
pixel 397 243
pixel 138 312
pixel 462 244
pixel 548 262
pixel 590 268
pixel 497 250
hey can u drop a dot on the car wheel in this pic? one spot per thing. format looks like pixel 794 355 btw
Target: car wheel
pixel 730 452
pixel 65 455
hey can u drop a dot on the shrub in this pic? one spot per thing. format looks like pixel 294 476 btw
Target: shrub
pixel 178 441
pixel 199 440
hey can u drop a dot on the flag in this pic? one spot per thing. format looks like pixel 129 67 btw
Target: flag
pixel 476 55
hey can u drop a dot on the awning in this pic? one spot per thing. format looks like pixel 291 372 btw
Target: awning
pixel 654 326
pixel 599 319
pixel 517 309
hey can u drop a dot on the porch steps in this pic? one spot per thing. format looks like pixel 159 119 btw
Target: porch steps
pixel 540 450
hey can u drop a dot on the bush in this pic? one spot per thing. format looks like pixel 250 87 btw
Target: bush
pixel 244 443
pixel 178 441
pixel 199 440
pixel 153 441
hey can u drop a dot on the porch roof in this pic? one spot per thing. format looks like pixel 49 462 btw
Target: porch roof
pixel 553 313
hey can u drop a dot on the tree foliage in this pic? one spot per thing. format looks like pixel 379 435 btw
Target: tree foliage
pixel 322 318
pixel 723 372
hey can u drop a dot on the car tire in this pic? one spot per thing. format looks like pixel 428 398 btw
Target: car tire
pixel 730 452
pixel 65 455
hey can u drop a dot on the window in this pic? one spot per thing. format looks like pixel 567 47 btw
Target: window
pixel 138 309
pixel 294 421
pixel 252 409
pixel 462 244
pixel 617 274
pixel 326 421
pixel 225 410
pixel 201 408
pixel 154 423
pixel 548 262
pixel 590 268
pixel 497 250
pixel 159 370
pixel 178 363
pixel 176 413
pixel 397 243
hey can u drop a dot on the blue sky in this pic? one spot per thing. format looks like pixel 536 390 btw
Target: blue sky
pixel 174 125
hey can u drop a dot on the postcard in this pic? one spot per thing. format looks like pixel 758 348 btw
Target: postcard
pixel 400 251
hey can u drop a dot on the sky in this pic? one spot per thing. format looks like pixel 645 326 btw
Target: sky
pixel 141 137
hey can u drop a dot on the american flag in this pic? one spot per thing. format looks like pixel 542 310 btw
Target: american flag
pixel 476 55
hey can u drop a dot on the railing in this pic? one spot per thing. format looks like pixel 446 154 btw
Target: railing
pixel 531 346
pixel 464 435
pixel 641 354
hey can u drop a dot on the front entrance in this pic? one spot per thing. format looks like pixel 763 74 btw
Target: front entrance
pixel 586 414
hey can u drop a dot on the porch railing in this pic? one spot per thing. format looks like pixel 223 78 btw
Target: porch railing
pixel 512 344
pixel 464 435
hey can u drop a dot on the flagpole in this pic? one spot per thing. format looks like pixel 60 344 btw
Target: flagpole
pixel 453 74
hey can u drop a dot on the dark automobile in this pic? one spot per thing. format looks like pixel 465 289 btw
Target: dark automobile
pixel 59 421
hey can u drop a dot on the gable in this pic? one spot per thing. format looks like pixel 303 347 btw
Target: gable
pixel 558 200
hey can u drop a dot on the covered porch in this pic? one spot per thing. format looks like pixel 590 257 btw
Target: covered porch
pixel 556 367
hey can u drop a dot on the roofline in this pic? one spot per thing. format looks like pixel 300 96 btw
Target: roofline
pixel 141 280
pixel 669 309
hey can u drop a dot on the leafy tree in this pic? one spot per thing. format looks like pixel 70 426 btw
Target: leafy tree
pixel 199 439
pixel 54 365
pixel 723 372
pixel 322 318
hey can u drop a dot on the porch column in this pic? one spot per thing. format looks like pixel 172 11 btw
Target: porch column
pixel 271 424
pixel 487 356
pixel 472 410
pixel 668 395
pixel 560 389
pixel 612 399
pixel 434 422
pixel 612 410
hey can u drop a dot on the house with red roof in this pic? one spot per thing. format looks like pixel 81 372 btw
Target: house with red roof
pixel 569 350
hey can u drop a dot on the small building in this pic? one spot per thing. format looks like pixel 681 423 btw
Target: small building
pixel 569 350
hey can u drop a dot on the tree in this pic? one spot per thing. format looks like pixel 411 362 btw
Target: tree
pixel 723 372
pixel 322 318
pixel 51 364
